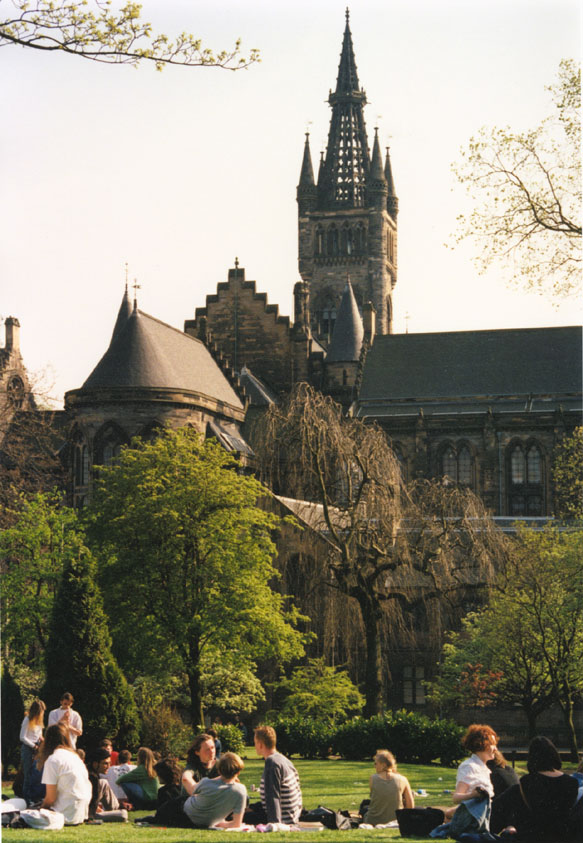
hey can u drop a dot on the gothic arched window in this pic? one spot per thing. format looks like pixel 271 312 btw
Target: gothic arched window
pixel 15 392
pixel 456 464
pixel 108 443
pixel 320 241
pixel 526 481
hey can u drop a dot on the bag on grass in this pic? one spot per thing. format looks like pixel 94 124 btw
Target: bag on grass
pixel 418 822
pixel 328 818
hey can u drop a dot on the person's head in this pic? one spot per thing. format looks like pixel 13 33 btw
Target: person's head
pixel 56 737
pixel 67 700
pixel 36 713
pixel 542 756
pixel 202 751
pixel 229 765
pixel 124 756
pixel 106 744
pixel 146 760
pixel 265 739
pixel 81 754
pixel 168 771
pixel 480 740
pixel 384 761
pixel 212 733
pixel 99 761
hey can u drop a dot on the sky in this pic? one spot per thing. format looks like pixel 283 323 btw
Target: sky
pixel 180 172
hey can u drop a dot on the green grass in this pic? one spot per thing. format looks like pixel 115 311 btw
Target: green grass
pixel 334 783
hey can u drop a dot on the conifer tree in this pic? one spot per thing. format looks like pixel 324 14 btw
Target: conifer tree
pixel 12 714
pixel 79 659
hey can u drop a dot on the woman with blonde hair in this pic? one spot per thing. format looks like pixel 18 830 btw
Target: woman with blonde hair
pixel 31 735
pixel 141 784
pixel 389 790
pixel 68 789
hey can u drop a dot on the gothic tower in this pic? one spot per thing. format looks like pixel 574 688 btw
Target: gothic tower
pixel 348 219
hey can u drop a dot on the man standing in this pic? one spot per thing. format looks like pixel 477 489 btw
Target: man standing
pixel 281 796
pixel 70 718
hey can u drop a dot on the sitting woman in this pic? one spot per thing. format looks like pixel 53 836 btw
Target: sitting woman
pixel 141 784
pixel 68 789
pixel 211 800
pixel 473 779
pixel 388 790
pixel 501 775
pixel 538 807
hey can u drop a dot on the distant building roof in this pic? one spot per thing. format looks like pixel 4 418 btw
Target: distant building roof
pixel 145 352
pixel 405 371
pixel 259 394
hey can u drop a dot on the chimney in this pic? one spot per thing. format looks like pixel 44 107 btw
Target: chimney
pixel 369 322
pixel 12 326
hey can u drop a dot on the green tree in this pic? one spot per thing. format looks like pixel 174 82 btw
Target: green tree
pixel 568 477
pixel 321 691
pixel 391 549
pixel 527 188
pixel 94 30
pixel 12 714
pixel 531 633
pixel 44 536
pixel 79 658
pixel 494 658
pixel 187 559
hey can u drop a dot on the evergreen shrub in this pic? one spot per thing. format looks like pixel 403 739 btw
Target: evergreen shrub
pixel 164 731
pixel 230 737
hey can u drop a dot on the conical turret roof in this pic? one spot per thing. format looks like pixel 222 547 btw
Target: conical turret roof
pixel 307 173
pixel 124 313
pixel 147 353
pixel 376 165
pixel 348 333
pixel 347 80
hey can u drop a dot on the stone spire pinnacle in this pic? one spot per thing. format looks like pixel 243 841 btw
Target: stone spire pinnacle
pixel 346 163
pixel 307 173
pixel 125 311
pixel 392 201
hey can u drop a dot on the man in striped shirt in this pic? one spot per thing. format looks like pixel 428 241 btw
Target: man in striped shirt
pixel 281 796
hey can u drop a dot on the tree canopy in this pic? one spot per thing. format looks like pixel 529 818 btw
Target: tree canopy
pixel 390 548
pixel 92 29
pixel 568 477
pixel 529 639
pixel 321 691
pixel 186 560
pixel 527 192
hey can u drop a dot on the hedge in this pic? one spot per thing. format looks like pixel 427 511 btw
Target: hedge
pixel 411 737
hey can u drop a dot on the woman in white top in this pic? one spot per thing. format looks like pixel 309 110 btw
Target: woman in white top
pixel 65 776
pixel 31 735
pixel 473 775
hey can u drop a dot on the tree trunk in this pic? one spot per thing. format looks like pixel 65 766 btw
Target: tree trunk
pixel 195 686
pixel 373 690
pixel 567 708
pixel 531 717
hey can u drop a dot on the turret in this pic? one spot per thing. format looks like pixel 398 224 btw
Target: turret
pixel 392 201
pixel 307 192
pixel 377 188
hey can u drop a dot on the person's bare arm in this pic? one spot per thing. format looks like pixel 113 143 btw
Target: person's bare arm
pixel 188 782
pixel 236 822
pixel 50 796
pixel 408 798
pixel 463 792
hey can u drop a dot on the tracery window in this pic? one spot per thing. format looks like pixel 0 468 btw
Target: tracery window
pixel 525 474
pixel 413 685
pixel 457 465
pixel 15 391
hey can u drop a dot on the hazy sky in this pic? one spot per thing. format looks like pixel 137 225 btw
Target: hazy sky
pixel 179 172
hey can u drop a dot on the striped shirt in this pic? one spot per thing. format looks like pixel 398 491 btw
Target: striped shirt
pixel 280 791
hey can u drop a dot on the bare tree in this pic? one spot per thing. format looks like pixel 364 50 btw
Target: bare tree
pixel 390 548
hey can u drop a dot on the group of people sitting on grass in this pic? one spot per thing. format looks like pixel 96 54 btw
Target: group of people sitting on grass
pixel 489 798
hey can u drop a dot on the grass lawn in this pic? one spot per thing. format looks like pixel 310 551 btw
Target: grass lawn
pixel 334 783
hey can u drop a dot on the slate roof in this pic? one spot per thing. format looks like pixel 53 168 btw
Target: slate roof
pixel 259 394
pixel 348 333
pixel 145 352
pixel 416 369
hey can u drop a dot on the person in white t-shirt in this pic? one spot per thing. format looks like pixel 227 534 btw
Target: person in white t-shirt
pixel 68 789
pixel 118 770
pixel 71 718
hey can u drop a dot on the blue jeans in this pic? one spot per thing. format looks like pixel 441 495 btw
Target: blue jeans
pixel 26 757
pixel 135 794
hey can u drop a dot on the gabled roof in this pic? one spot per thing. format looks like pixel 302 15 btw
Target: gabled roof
pixel 259 394
pixel 463 364
pixel 147 353
pixel 346 341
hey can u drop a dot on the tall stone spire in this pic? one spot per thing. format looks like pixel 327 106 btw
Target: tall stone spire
pixel 307 191
pixel 347 157
pixel 392 201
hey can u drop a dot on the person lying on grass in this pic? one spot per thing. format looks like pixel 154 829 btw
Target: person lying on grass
pixel 211 800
